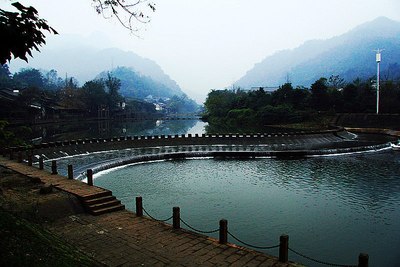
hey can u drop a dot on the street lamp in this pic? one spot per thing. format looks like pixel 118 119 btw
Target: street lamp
pixel 378 60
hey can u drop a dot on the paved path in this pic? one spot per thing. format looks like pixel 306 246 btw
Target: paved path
pixel 74 187
pixel 123 239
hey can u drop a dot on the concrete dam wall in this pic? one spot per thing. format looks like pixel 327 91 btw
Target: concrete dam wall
pixel 102 154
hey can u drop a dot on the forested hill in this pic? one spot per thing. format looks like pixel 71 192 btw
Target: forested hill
pixel 350 56
pixel 69 55
pixel 135 85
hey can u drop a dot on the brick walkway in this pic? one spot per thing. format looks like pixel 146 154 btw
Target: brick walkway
pixel 123 239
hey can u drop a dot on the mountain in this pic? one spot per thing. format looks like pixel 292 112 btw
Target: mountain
pixel 135 85
pixel 72 56
pixel 350 56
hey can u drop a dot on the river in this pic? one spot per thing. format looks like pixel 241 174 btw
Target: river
pixel 332 207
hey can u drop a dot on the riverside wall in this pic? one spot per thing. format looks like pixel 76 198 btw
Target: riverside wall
pixel 377 121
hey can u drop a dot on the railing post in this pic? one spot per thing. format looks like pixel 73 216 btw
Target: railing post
pixel 363 260
pixel 41 164
pixel 54 167
pixel 284 248
pixel 19 159
pixel 176 217
pixel 139 207
pixel 30 155
pixel 223 231
pixel 70 172
pixel 89 175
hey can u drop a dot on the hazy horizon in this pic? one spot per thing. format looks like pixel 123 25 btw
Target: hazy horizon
pixel 204 45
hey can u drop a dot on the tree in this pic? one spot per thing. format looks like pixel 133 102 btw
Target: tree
pixel 319 95
pixel 94 95
pixel 21 32
pixel 258 99
pixel 5 77
pixel 300 97
pixel 52 80
pixel 113 84
pixel 390 96
pixel 71 82
pixel 335 82
pixel 284 95
pixel 219 102
pixel 29 77
pixel 350 94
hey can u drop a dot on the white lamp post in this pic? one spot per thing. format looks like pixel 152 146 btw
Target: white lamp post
pixel 378 60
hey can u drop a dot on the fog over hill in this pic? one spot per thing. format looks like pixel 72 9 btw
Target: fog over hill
pixel 134 85
pixel 350 55
pixel 71 56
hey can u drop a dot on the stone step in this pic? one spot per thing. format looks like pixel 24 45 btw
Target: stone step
pixel 98 200
pixel 105 193
pixel 103 205
pixel 107 210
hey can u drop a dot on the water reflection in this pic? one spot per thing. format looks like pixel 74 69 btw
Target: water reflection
pixel 224 128
pixel 109 128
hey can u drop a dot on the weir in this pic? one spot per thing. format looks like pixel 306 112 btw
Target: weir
pixel 103 154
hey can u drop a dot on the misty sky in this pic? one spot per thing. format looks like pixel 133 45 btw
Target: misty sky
pixel 209 44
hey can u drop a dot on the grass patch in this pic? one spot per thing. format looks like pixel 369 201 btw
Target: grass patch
pixel 26 244
pixel 319 122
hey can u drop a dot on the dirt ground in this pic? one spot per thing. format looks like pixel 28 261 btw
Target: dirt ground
pixel 24 210
pixel 21 196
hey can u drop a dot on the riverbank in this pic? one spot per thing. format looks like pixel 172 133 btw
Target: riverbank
pixel 115 239
pixel 368 120
pixel 25 241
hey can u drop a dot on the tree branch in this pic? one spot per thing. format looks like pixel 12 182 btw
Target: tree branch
pixel 129 13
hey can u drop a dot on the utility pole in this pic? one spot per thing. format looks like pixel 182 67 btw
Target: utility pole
pixel 378 60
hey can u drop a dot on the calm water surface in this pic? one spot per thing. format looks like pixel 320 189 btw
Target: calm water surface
pixel 332 208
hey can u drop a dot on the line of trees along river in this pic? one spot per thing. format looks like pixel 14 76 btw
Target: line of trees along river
pixel 32 95
pixel 291 105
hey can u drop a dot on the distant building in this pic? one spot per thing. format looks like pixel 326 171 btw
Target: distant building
pixel 159 106
pixel 149 99
pixel 265 88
